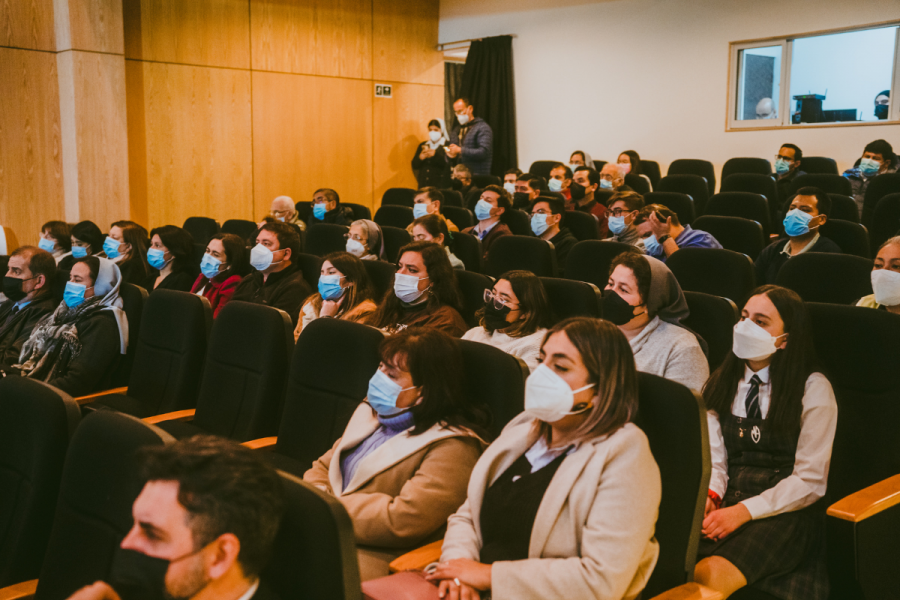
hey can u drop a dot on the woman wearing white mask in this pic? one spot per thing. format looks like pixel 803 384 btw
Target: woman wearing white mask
pixel 403 462
pixel 885 279
pixel 567 497
pixel 344 292
pixel 425 293
pixel 430 163
pixel 772 420
pixel 365 240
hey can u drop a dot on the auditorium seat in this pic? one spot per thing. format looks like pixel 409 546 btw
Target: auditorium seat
pixel 518 221
pixel 201 228
pixel 133 299
pixel 754 183
pixel 451 198
pixel 885 221
pixel 830 184
pixel 651 169
pixel 693 166
pixel 741 204
pixel 311 266
pixel 467 248
pixel 713 318
pixel 851 237
pixel 581 224
pixel 395 238
pixel 570 298
pixel 692 185
pixel 304 210
pixel 589 260
pixel 638 183
pixel 459 216
pixel 324 238
pixel 542 168
pixel 844 208
pixel 713 271
pixel 732 166
pixel 681 204
pixel 515 252
pixel 471 287
pixel 879 187
pixel 734 233
pixel 825 277
pixel 399 196
pixel 360 212
pixel 240 227
pixel 381 274
pixel 494 380
pixel 482 181
pixel 394 216
pixel 819 165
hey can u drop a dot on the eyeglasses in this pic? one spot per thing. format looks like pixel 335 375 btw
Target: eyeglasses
pixel 349 236
pixel 280 213
pixel 618 212
pixel 498 302
pixel 540 211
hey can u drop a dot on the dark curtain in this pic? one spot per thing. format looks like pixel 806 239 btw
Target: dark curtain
pixel 488 83
pixel 453 74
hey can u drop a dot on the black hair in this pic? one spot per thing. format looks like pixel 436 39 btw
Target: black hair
pixel 287 237
pixel 635 159
pixel 535 182
pixel 881 147
pixel 236 254
pixel 557 206
pixel 180 245
pixel 89 233
pixel 823 200
pixel 330 194
pixel 434 123
pixel 514 171
pixel 40 262
pixel 798 153
pixel 564 166
pixel 593 175
pixel 61 232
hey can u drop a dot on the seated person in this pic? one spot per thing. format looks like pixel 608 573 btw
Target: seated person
pixel 76 347
pixel 327 209
pixel 425 293
pixel 885 279
pixel 585 183
pixel 171 254
pixel 430 228
pixel 528 188
pixel 665 236
pixel 645 301
pixel 623 209
pixel 28 287
pixel 878 158
pixel 787 169
pixel 345 292
pixel 772 419
pixel 428 202
pixel 283 209
pixel 365 240
pixel 515 317
pixel 205 523
pixel 489 212
pixel 276 280
pixel 580 158
pixel 126 245
pixel 461 181
pixel 630 162
pixel 546 223
pixel 612 178
pixel 221 269
pixel 510 178
pixel 560 180
pixel 808 211
pixel 87 240
pixel 564 503
pixel 56 239
pixel 402 465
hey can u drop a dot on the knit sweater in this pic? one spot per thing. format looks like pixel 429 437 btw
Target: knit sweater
pixel 527 348
pixel 672 352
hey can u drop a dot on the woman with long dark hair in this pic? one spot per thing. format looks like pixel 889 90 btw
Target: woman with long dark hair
pixel 170 253
pixel 126 245
pixel 772 419
pixel 433 228
pixel 223 265
pixel 345 292
pixel 55 239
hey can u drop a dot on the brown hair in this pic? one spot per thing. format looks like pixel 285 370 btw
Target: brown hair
pixel 59 231
pixel 434 225
pixel 353 271
pixel 287 237
pixel 667 213
pixel 635 261
pixel 135 236
pixel 40 262
pixel 635 159
pixel 533 303
pixel 633 201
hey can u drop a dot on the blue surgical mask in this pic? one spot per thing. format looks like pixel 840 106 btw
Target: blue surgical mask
pixel 483 210
pixel 617 224
pixel 156 258
pixel 782 166
pixel 48 245
pixel 74 294
pixel 869 167
pixel 330 287
pixel 79 251
pixel 555 185
pixel 111 247
pixel 606 184
pixel 420 210
pixel 539 224
pixel 653 247
pixel 209 266
pixel 383 393
pixel 796 223
pixel 319 211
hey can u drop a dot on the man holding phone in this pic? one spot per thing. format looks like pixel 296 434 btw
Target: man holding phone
pixel 663 234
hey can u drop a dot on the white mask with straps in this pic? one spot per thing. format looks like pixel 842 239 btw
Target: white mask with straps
pixel 548 397
pixel 752 342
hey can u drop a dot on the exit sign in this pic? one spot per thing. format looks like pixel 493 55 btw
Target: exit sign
pixel 382 90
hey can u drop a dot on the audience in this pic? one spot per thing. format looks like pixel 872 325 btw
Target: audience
pixel 126 245
pixel 528 187
pixel 585 184
pixel 546 223
pixel 431 228
pixel 171 254
pixel 630 162
pixel 510 178
pixel 885 279
pixel 878 158
pixel 489 211
pixel 787 169
pixel 284 210
pixel 425 293
pixel 221 269
pixel 365 240
pixel 55 239
pixel 428 201
pixel 461 181
pixel 645 301
pixel 402 465
pixel 808 211
pixel 612 178
pixel 623 210
pixel 580 158
pixel 772 420
pixel 472 144
pixel 276 280
pixel 28 287
pixel 560 180
pixel 327 209
pixel 515 317
pixel 77 346
pixel 87 240
pixel 663 234
pixel 430 162
pixel 345 292
pixel 567 497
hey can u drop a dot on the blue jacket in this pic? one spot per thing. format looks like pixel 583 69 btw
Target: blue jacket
pixel 477 148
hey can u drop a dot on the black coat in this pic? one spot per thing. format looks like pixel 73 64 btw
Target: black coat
pixel 15 331
pixel 771 259
pixel 285 290
pixel 434 171
pixel 132 273
pixel 563 242
pixel 342 215
pixel 180 281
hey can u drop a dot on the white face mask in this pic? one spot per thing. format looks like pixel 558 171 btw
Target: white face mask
pixel 261 258
pixel 355 248
pixel 434 135
pixel 463 118
pixel 510 187
pixel 548 397
pixel 752 342
pixel 406 287
pixel 886 285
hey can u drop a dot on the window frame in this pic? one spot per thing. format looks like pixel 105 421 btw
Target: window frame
pixel 784 102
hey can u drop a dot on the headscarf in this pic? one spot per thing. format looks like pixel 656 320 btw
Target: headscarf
pixel 445 137
pixel 666 299
pixel 55 342
pixel 374 236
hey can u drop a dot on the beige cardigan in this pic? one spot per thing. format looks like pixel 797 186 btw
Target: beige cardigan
pixel 593 536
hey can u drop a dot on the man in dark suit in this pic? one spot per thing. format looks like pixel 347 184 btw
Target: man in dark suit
pixel 489 211
pixel 27 286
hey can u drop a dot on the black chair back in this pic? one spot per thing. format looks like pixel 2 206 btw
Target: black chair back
pixel 844 208
pixel 542 168
pixel 851 237
pixel 830 184
pixel 651 169
pixel 325 238
pixel 37 422
pixel 713 271
pixel 471 287
pixel 381 274
pixel 4 264
pixel 637 183
pixel 304 210
pixel 360 211
pixel 886 221
pixel 713 317
pixel 239 227
pixel 311 267
pixel 201 228
pixel 482 181
pixel 589 260
pixel 819 165
pixel 518 221
pixel 692 185
pixel 390 215
pixel 582 225
pixel 133 299
pixel 570 298
pixel 451 198
pixel 754 183
pixel 400 196
pixel 513 252
pixel 734 233
pixel 494 380
pixel 693 166
pixel 681 204
pixel 467 248
pixel 758 166
pixel 741 204
pixel 825 277
pixel 459 216
pixel 878 188
pixel 394 239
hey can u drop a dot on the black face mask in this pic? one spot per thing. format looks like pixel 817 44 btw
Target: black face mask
pixel 881 111
pixel 12 288
pixel 615 309
pixel 495 318
pixel 521 199
pixel 456 184
pixel 136 576
pixel 577 190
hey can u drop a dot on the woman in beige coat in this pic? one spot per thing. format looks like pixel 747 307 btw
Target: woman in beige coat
pixel 402 466
pixel 564 503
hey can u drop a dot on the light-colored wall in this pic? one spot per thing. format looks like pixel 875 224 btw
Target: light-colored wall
pixel 650 75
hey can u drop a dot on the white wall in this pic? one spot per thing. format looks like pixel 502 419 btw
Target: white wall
pixel 651 75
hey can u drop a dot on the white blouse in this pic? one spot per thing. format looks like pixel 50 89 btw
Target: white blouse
pixel 809 479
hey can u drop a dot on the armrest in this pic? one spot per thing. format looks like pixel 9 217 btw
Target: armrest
pixel 867 501
pixel 19 591
pixel 81 400
pixel 178 415
pixel 418 559
pixel 690 591
pixel 261 443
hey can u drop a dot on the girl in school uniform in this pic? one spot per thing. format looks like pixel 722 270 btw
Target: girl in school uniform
pixel 772 420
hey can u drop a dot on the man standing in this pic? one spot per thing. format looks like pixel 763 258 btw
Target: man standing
pixel 473 143
pixel 27 285
pixel 787 169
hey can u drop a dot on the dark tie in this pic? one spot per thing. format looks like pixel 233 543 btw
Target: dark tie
pixel 752 402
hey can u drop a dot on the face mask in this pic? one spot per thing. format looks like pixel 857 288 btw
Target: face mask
pixel 483 210
pixel 510 187
pixel 111 247
pixel 156 258
pixel 420 210
pixel 625 167
pixel 495 318
pixel 12 288
pixel 406 288
pixel 577 190
pixel 616 309
pixel 573 167
pixel 782 166
pixel 881 112
pixel 136 576
pixel 383 393
pixel 47 245
pixel 555 185
pixel 869 167
pixel 548 397
pixel 355 248
pixel 330 287
pixel 539 224
pixel 456 184
pixel 463 119
pixel 74 294
pixel 752 342
pixel 796 223
pixel 606 184
pixel 79 251
pixel 319 211
pixel 886 285
pixel 434 135
pixel 261 257
pixel 653 247
pixel 617 224
pixel 209 266
pixel 280 219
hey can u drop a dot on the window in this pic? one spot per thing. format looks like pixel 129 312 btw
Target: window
pixel 842 77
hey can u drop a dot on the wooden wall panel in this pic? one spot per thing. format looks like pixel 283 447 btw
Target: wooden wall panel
pixel 405 42
pixel 27 24
pixel 31 181
pixel 198 152
pixel 311 132
pixel 314 37
pixel 401 124
pixel 94 25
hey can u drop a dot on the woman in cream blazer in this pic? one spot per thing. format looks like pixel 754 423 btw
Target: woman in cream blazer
pixel 590 530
